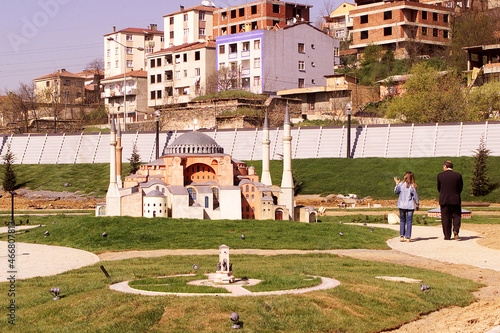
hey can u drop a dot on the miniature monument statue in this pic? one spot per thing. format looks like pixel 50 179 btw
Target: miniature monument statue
pixel 224 272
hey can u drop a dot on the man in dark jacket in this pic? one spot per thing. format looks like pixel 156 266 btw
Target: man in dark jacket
pixel 450 184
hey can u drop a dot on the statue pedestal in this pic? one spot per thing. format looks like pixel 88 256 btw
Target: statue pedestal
pixel 224 277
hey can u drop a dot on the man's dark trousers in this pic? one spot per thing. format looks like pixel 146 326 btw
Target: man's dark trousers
pixel 451 215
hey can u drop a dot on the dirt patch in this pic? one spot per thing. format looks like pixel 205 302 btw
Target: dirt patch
pixel 27 199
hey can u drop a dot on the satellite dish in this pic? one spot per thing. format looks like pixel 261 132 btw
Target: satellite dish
pixel 212 3
pixel 205 3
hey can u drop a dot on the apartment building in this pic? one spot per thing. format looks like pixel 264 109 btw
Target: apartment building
pixel 265 61
pixel 402 26
pixel 257 15
pixel 136 94
pixel 180 73
pixel 137 43
pixel 339 23
pixel 188 25
pixel 61 87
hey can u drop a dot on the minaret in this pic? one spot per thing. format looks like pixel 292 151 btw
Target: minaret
pixel 287 187
pixel 266 174
pixel 119 149
pixel 113 195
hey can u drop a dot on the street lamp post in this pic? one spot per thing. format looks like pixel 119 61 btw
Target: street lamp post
pixel 125 77
pixel 348 111
pixel 157 114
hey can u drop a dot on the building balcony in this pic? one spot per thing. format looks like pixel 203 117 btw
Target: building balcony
pixel 233 55
pixel 245 54
pixel 118 93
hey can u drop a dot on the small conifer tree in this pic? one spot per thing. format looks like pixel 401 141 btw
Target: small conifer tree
pixel 480 182
pixel 135 160
pixel 9 179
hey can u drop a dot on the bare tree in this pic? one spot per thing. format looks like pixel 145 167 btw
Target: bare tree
pixel 95 67
pixel 226 78
pixel 20 105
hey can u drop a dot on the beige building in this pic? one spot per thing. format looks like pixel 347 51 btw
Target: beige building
pixel 180 73
pixel 136 91
pixel 339 23
pixel 189 25
pixel 60 87
pixel 118 58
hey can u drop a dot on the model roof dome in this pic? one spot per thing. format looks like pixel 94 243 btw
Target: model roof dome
pixel 194 143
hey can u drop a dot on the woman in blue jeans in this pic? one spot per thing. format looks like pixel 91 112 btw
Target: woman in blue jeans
pixel 407 203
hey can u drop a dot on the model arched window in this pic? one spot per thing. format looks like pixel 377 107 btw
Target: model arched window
pixel 207 201
pixel 192 195
pixel 215 192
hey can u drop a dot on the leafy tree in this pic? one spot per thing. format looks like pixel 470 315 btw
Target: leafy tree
pixel 9 179
pixel 484 100
pixel 431 96
pixel 135 160
pixel 480 182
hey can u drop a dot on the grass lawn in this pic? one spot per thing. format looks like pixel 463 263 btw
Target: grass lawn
pixel 361 303
pixel 364 176
pixel 128 233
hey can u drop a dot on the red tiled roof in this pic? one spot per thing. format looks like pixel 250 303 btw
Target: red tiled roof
pixel 198 8
pixel 188 46
pixel 91 71
pixel 59 73
pixel 137 31
pixel 139 73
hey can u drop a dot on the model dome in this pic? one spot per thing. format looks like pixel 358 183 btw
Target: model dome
pixel 194 143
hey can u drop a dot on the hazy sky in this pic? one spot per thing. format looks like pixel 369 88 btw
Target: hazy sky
pixel 38 37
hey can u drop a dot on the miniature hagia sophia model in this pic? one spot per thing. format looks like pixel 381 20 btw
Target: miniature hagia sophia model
pixel 196 180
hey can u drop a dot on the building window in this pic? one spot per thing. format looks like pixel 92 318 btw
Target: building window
pixel 256 44
pixel 153 94
pixel 201 15
pixel 185 73
pixel 256 63
pixel 434 16
pixel 424 31
pixel 128 38
pixel 313 81
pixel 223 16
pixel 108 52
pixel 172 20
pixel 109 64
pixel 129 50
pixel 222 65
pixel 197 56
pixel 116 63
pixel 256 80
pixel 207 201
pixel 130 63
pixel 302 66
pixel 445 18
pixel 158 62
pixel 233 13
pixel 313 64
pixel 177 58
pixel 241 12
pixel 152 63
pixel 116 50
pixel 171 35
pixel 364 34
pixel 233 48
pixel 424 15
pixel 186 32
pixel 177 75
pixel 233 29
pixel 301 48
pixel 336 51
pixel 246 46
pixel 158 94
pixel 185 57
pixel 192 195
pixel 364 19
pixel 445 33
pixel 201 32
pixel 152 79
pixel 387 31
pixel 222 49
pixel 301 83
pixel 158 78
pixel 388 15
pixel 276 9
pixel 435 32
pixel 185 17
pixel 253 9
pixel 197 71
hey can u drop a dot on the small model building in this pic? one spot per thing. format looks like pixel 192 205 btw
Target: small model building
pixel 196 179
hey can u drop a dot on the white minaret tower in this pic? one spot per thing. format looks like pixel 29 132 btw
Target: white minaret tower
pixel 287 187
pixel 266 174
pixel 113 195
pixel 119 149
